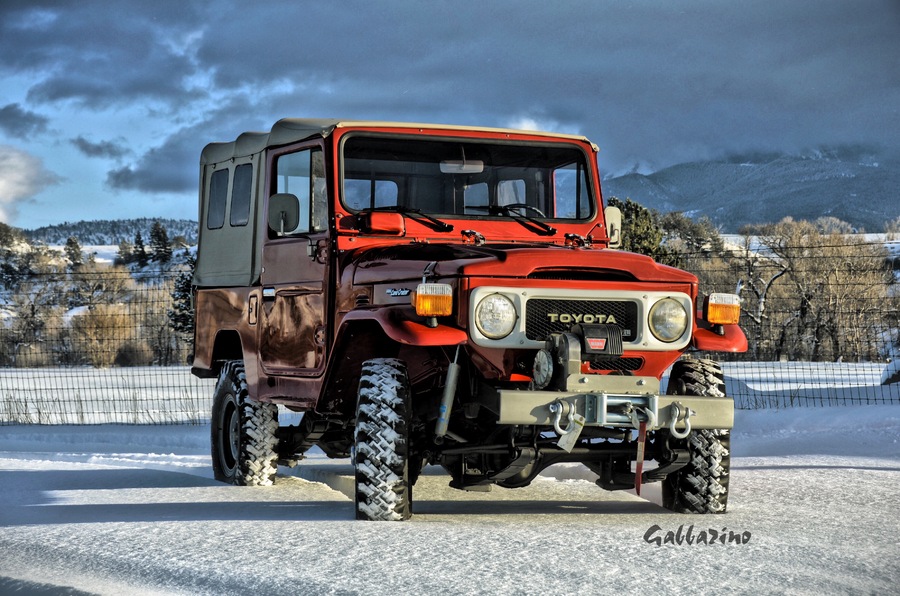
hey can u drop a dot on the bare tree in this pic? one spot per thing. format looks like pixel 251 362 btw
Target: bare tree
pixel 833 288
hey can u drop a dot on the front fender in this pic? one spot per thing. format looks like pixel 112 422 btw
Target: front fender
pixel 732 339
pixel 373 333
pixel 398 326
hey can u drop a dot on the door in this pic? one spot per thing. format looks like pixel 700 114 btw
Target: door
pixel 292 319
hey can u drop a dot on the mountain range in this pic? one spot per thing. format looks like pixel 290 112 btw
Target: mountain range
pixel 859 185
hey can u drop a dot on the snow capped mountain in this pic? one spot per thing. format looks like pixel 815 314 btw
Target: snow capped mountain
pixel 856 184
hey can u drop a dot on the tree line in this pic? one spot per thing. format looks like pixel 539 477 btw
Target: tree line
pixel 811 291
pixel 62 309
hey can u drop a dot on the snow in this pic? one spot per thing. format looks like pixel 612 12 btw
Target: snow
pixel 118 509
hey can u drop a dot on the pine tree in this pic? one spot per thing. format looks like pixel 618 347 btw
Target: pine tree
pixel 641 232
pixel 181 316
pixel 160 249
pixel 73 253
pixel 140 251
pixel 125 256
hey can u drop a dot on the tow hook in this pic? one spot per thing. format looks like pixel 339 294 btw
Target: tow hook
pixel 636 422
pixel 677 408
pixel 558 409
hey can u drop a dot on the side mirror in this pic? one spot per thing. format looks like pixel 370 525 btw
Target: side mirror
pixel 380 222
pixel 284 213
pixel 613 217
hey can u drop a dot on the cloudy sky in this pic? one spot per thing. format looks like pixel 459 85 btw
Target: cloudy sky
pixel 105 106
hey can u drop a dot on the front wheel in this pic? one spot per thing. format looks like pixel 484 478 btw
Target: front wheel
pixel 243 432
pixel 381 442
pixel 702 485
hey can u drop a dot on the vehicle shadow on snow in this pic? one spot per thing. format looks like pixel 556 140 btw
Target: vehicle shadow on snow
pixel 803 466
pixel 521 507
pixel 147 495
pixel 68 497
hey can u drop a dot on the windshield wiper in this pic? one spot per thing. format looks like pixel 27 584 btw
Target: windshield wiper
pixel 414 213
pixel 529 222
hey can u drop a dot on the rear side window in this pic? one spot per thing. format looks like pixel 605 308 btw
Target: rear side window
pixel 218 194
pixel 240 195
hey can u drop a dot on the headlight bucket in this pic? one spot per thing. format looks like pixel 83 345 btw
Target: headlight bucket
pixel 668 320
pixel 495 316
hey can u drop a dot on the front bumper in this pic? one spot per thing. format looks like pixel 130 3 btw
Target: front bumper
pixel 621 403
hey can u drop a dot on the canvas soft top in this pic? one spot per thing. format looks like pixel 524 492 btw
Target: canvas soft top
pixel 292 130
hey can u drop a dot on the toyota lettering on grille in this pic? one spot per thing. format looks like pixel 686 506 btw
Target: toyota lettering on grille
pixel 587 319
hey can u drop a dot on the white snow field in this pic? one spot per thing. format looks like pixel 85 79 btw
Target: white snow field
pixel 114 509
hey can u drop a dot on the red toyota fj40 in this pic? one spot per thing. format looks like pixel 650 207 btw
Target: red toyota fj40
pixel 448 295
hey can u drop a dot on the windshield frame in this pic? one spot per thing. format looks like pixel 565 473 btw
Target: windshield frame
pixel 584 203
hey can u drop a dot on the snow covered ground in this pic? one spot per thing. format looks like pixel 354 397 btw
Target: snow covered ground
pixel 169 394
pixel 134 510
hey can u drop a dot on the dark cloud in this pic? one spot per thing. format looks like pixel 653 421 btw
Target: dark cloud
pixel 99 54
pixel 646 80
pixel 168 168
pixel 21 123
pixel 110 149
pixel 650 82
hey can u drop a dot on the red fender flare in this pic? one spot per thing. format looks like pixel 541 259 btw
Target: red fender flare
pixel 397 326
pixel 731 340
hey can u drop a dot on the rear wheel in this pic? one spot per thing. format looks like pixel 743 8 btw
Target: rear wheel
pixel 702 485
pixel 243 432
pixel 381 442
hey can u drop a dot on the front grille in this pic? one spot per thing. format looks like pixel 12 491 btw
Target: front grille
pixel 618 364
pixel 546 316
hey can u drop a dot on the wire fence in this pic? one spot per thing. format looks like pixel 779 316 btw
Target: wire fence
pixel 108 345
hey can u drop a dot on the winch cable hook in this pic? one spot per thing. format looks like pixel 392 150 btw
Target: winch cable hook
pixel 648 412
pixel 676 414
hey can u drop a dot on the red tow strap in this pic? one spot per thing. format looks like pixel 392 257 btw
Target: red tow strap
pixel 639 468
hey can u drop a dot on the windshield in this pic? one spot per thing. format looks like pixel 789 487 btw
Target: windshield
pixel 466 178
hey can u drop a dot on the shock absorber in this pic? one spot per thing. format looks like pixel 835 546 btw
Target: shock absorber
pixel 440 429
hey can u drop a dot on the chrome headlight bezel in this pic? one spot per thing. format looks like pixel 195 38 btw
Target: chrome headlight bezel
pixel 668 320
pixel 496 316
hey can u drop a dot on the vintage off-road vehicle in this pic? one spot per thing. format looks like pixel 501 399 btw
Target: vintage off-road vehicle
pixel 430 294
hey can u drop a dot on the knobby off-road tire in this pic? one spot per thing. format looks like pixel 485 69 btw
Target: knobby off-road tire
pixel 243 432
pixel 381 442
pixel 702 485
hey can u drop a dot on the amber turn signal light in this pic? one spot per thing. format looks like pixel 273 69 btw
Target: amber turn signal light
pixel 433 300
pixel 722 309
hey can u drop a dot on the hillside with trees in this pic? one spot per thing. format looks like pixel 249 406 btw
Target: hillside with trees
pixel 58 307
pixel 113 232
pixel 811 291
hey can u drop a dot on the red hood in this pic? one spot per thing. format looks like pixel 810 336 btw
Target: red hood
pixel 378 265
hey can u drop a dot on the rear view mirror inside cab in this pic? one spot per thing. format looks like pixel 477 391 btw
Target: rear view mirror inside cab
pixel 284 213
pixel 461 166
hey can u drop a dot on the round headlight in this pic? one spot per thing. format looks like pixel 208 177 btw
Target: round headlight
pixel 495 316
pixel 668 320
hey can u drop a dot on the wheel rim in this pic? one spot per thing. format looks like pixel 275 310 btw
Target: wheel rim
pixel 230 436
